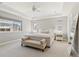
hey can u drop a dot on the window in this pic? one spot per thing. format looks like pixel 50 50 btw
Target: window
pixel 34 27
pixel 10 25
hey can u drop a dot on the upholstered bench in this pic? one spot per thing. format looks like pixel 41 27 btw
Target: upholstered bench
pixel 27 41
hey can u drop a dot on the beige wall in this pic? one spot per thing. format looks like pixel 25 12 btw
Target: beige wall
pixel 53 23
pixel 26 25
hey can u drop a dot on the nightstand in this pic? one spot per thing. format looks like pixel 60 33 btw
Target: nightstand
pixel 59 37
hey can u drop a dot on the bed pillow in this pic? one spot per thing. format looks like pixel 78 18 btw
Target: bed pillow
pixel 45 31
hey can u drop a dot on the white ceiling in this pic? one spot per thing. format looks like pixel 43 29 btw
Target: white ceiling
pixel 44 9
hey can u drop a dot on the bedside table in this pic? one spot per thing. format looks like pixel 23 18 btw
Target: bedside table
pixel 59 37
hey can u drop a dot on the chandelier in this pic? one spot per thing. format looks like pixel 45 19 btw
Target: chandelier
pixel 35 8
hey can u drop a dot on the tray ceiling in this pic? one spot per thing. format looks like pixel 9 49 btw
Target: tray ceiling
pixel 42 9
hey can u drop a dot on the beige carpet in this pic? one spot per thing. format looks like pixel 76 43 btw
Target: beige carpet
pixel 13 49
